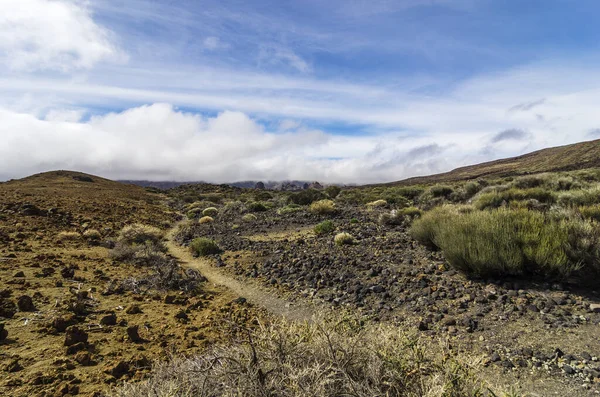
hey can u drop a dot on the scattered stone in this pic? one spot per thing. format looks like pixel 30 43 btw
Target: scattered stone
pixel 109 319
pixel 422 326
pixel 118 370
pixel 75 335
pixel 60 324
pixel 25 304
pixel 568 369
pixel 19 274
pixel 3 332
pixel 495 357
pixel 13 366
pixel 595 307
pixel 84 358
pixel 133 334
pixel 77 347
pixel 133 309
pixel 182 315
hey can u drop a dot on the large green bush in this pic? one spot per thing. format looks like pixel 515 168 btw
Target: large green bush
pixel 324 227
pixel 510 242
pixel 495 199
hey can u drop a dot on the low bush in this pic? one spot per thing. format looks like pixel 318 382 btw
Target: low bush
pixel 249 218
pixel 398 217
pixel 206 219
pixel 323 207
pixel 140 234
pixel 511 242
pixel 577 198
pixel 498 198
pixel 377 204
pixel 256 207
pixel 68 236
pixel 344 239
pixel 440 191
pixel 289 209
pixel 471 189
pixel 324 227
pixel 324 359
pixel 202 246
pixel 210 211
pixel 92 235
pixel 306 197
pixel 333 191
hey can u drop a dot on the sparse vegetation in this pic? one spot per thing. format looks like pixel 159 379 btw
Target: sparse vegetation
pixel 203 246
pixel 324 227
pixel 344 238
pixel 333 191
pixel 323 207
pixel 289 209
pixel 322 359
pixel 377 204
pixel 68 236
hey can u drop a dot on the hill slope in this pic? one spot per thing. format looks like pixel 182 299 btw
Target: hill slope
pixel 561 158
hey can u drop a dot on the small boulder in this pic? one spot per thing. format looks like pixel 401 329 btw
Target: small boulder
pixel 133 309
pixel 3 332
pixel 109 319
pixel 133 334
pixel 25 304
pixel 595 307
pixel 75 335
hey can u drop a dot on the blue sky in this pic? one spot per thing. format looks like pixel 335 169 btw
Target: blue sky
pixel 337 91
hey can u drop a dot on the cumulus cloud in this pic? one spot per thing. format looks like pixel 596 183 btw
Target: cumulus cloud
pixel 52 35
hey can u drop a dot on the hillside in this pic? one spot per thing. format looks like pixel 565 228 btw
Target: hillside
pixel 561 158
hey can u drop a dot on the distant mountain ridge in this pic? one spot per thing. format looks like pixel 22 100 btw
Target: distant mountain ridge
pixel 571 157
pixel 269 185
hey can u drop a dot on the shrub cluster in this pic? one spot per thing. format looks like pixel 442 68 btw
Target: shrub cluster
pixel 344 238
pixel 511 242
pixel 306 197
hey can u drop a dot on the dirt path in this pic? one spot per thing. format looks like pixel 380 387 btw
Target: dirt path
pixel 247 289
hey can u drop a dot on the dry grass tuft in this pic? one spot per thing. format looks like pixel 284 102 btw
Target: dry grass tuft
pixel 206 219
pixel 323 207
pixel 68 236
pixel 321 359
pixel 344 238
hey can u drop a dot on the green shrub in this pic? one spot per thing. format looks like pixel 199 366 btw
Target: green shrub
pixel 498 198
pixel 344 239
pixel 440 191
pixel 249 218
pixel 203 246
pixel 471 189
pixel 510 242
pixel 577 198
pixel 333 191
pixel 191 214
pixel 324 227
pixel 289 209
pixel 322 207
pixel 210 211
pixel 256 207
pixel 262 196
pixel 531 181
pixel 353 220
pixel 398 217
pixel 306 197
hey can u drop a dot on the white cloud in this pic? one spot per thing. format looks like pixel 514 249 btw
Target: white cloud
pixel 52 35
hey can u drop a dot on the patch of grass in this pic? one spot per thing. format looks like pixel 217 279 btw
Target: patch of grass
pixel 344 238
pixel 324 227
pixel 590 212
pixel 206 219
pixel 325 359
pixel 577 198
pixel 202 246
pixel 504 242
pixel 68 236
pixel 323 207
pixel 354 221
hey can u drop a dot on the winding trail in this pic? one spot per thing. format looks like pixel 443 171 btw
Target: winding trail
pixel 248 289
